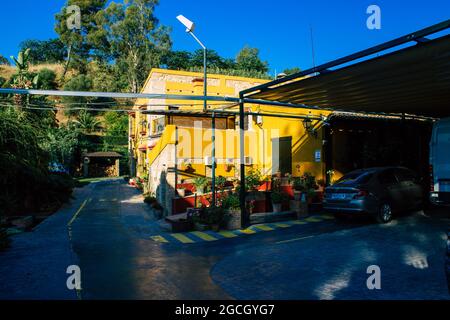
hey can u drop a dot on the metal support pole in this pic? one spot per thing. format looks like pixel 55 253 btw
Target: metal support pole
pixel 242 161
pixel 205 80
pixel 205 73
pixel 205 109
pixel 213 138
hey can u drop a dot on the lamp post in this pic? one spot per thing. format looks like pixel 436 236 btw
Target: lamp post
pixel 190 27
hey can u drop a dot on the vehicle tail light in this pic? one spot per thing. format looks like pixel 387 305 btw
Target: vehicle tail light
pixel 360 194
pixel 431 178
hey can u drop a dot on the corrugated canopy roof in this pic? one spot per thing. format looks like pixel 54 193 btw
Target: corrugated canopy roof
pixel 414 80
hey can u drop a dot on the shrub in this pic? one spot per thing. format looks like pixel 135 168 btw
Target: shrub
pixel 298 184
pixel 231 202
pixel 27 185
pixel 210 216
pixel 307 183
pixel 252 180
pixel 221 182
pixel 200 184
pixel 47 79
pixel 150 199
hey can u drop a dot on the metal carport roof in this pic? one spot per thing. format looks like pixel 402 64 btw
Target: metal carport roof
pixel 413 80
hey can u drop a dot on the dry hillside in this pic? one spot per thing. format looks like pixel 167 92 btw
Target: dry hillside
pixel 7 71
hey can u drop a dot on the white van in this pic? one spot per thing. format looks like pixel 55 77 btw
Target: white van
pixel 440 163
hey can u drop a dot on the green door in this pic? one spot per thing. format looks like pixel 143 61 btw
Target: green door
pixel 282 155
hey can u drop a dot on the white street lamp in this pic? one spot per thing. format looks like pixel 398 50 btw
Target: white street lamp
pixel 190 27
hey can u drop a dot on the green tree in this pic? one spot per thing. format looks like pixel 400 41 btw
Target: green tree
pixel 292 71
pixel 177 60
pixel 106 78
pixel 116 123
pixel 116 135
pixel 22 156
pixel 214 60
pixel 4 61
pixel 78 83
pixel 47 79
pixel 48 51
pixel 23 78
pixel 79 42
pixel 248 59
pixel 63 143
pixel 134 38
pixel 86 122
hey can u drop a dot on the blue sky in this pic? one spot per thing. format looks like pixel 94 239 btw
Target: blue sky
pixel 280 29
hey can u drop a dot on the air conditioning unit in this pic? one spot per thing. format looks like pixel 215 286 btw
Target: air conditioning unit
pixel 259 120
pixel 248 161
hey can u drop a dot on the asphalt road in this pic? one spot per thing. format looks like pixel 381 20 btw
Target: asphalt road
pixel 324 260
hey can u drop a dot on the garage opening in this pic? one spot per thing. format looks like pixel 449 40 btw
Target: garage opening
pixel 357 141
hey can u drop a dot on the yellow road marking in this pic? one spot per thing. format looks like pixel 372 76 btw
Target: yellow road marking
pixel 312 219
pixel 227 234
pixel 264 227
pixel 204 236
pixel 247 231
pixel 281 225
pixel 77 213
pixel 159 239
pixel 182 238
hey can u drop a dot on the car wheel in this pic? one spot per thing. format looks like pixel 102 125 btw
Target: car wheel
pixel 385 213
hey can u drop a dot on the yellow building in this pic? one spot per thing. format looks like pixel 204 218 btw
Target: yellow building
pixel 171 148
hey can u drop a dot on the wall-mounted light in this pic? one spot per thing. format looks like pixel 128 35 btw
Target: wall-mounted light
pixel 307 124
pixel 309 127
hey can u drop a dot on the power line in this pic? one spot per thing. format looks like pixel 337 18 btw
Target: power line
pixel 115 95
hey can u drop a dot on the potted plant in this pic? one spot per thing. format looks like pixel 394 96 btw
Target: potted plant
pixel 253 180
pixel 149 199
pixel 200 184
pixel 310 185
pixel 277 199
pixel 252 183
pixel 286 180
pixel 208 218
pixel 198 218
pixel 214 217
pixel 298 186
pixel 232 214
pixel 220 183
pixel 251 206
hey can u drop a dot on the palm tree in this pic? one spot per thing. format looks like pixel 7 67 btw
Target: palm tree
pixel 87 122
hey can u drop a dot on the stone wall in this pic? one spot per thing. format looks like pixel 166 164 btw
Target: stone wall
pixel 162 178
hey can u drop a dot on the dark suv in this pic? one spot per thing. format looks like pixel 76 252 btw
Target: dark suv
pixel 376 191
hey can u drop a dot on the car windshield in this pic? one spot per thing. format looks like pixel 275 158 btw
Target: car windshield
pixel 355 178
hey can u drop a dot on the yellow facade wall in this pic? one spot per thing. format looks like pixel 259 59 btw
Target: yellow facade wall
pixel 258 138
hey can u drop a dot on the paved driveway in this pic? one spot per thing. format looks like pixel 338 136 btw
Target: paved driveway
pixel 409 252
pixel 110 241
